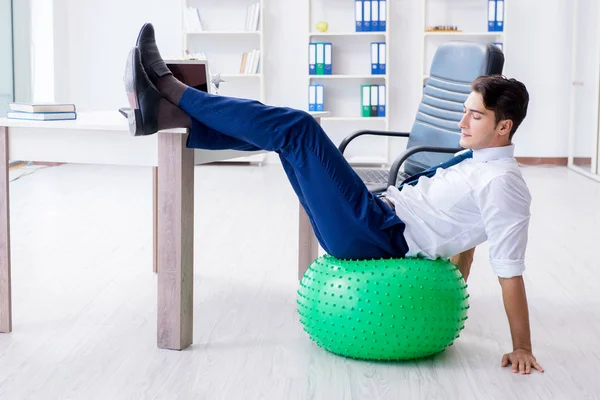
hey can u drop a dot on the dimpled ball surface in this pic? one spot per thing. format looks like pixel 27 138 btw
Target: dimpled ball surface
pixel 388 309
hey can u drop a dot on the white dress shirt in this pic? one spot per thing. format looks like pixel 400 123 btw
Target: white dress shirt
pixel 479 199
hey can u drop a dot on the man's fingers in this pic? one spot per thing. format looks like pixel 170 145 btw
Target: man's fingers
pixel 528 367
pixel 522 366
pixel 538 366
pixel 505 360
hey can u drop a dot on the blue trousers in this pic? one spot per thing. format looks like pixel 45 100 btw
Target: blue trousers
pixel 348 220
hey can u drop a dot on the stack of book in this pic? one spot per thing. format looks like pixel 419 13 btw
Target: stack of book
pixel 250 62
pixel 253 17
pixel 42 111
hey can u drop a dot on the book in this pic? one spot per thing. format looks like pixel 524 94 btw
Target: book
pixel 42 107
pixel 243 65
pixel 192 20
pixel 253 17
pixel 255 62
pixel 42 116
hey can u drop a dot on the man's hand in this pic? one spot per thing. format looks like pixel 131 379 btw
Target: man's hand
pixel 522 360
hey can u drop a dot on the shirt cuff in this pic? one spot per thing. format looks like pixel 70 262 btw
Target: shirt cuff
pixel 508 268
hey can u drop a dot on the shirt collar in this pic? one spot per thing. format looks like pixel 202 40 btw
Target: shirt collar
pixel 493 153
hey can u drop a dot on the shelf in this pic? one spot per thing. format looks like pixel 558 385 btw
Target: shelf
pixel 347 76
pixel 237 76
pixel 231 33
pixel 354 119
pixel 320 114
pixel 492 34
pixel 347 34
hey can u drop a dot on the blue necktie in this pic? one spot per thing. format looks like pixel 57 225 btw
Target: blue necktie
pixel 429 172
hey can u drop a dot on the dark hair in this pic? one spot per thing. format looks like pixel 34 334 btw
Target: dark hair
pixel 508 98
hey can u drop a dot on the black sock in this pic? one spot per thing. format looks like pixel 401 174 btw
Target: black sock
pixel 170 116
pixel 171 88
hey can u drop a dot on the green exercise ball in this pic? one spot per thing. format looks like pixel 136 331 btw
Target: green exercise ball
pixel 388 309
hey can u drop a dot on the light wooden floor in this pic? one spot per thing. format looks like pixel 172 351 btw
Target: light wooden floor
pixel 84 298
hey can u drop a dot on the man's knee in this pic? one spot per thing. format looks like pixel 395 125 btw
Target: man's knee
pixel 299 127
pixel 301 121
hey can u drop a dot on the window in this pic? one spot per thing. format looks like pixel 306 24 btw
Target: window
pixel 6 56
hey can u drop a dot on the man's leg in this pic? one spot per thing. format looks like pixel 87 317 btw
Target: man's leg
pixel 350 221
pixel 206 138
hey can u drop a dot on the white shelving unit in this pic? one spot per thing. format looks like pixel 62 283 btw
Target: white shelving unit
pixel 470 16
pixel 223 40
pixel 351 64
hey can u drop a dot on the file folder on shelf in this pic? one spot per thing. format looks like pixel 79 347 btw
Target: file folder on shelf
pixel 358 15
pixel 312 59
pixel 328 65
pixel 381 62
pixel 374 109
pixel 499 25
pixel 320 98
pixel 366 100
pixel 312 98
pixel 382 101
pixel 382 15
pixel 374 15
pixel 366 16
pixel 320 58
pixel 491 15
pixel 375 58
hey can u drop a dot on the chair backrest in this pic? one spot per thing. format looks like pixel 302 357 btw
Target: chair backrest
pixel 455 66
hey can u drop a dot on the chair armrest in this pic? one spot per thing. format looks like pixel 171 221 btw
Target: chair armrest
pixel 353 136
pixel 409 152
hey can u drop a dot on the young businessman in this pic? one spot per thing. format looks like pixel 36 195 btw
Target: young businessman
pixel 445 212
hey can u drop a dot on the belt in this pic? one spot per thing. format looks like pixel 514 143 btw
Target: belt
pixel 387 202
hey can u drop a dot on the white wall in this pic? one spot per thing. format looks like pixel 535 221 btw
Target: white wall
pixel 92 39
pixel 6 63
pixel 538 53
pixel 42 51
pixel 22 50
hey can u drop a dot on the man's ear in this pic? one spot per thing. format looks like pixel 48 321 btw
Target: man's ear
pixel 504 127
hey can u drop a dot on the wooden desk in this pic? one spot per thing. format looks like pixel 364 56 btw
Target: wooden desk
pixel 103 138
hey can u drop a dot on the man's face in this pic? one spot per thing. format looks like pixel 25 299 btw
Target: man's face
pixel 478 126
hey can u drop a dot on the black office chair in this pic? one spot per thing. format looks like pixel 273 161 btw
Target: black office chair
pixel 435 134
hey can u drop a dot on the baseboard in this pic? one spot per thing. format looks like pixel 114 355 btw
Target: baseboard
pixel 542 160
pixel 48 164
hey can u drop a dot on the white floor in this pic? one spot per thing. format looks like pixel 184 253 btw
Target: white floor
pixel 84 298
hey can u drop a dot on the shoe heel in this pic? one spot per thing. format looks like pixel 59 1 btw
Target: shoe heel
pixel 134 117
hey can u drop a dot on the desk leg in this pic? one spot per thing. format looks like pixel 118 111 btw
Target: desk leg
pixel 155 219
pixel 175 241
pixel 308 246
pixel 5 283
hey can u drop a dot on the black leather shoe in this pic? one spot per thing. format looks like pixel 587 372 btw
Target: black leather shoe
pixel 153 63
pixel 143 97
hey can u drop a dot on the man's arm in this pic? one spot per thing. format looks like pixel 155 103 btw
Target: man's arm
pixel 504 203
pixel 515 304
pixel 463 261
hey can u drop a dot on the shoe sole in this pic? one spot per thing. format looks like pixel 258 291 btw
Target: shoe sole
pixel 134 114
